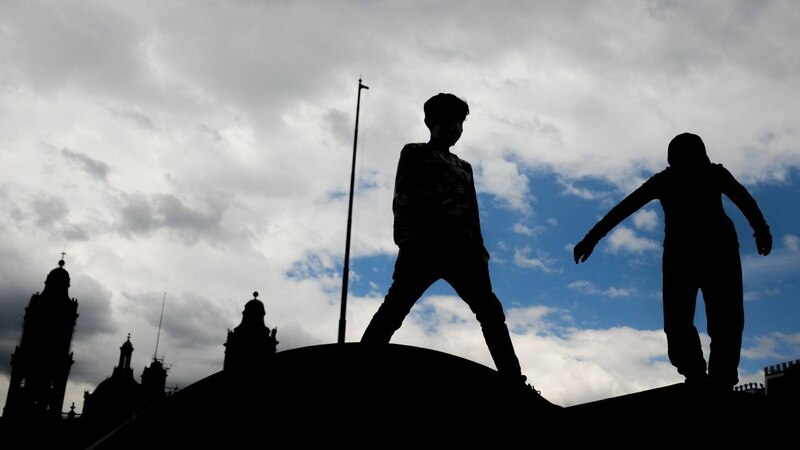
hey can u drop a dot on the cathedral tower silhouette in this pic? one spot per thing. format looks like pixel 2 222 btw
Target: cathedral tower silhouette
pixel 41 362
pixel 251 345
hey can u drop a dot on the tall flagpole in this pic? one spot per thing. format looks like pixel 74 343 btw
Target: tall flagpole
pixel 346 270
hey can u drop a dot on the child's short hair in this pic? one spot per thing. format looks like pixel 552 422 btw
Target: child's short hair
pixel 687 150
pixel 443 108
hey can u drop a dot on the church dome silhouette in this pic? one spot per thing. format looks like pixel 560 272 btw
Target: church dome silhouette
pixel 115 391
pixel 57 281
pixel 254 309
pixel 111 387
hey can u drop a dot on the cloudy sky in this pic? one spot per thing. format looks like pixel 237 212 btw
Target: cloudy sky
pixel 193 152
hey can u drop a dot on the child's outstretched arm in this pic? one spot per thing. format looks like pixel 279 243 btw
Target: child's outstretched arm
pixel 629 205
pixel 747 204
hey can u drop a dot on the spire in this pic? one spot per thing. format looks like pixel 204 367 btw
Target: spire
pixel 125 353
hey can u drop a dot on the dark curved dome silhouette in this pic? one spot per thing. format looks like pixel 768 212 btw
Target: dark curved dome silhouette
pixel 342 393
pixel 57 281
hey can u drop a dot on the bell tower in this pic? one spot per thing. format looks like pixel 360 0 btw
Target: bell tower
pixel 42 360
pixel 251 345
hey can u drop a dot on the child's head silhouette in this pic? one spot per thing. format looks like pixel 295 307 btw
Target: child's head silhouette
pixel 687 150
pixel 444 116
pixel 444 108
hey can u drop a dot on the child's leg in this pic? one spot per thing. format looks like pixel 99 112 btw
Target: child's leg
pixel 724 303
pixel 469 276
pixel 412 276
pixel 680 300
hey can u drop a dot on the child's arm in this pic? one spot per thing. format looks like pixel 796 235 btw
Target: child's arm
pixel 403 198
pixel 629 205
pixel 475 215
pixel 747 204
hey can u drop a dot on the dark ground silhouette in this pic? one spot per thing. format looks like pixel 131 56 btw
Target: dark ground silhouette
pixel 701 253
pixel 349 394
pixel 393 396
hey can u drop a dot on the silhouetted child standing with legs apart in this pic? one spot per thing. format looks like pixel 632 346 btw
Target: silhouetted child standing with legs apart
pixel 701 253
pixel 438 232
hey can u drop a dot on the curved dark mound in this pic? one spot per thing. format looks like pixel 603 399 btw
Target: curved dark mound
pixel 343 394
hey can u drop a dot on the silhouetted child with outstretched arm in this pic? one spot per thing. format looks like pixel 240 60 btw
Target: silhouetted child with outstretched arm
pixel 701 253
pixel 437 229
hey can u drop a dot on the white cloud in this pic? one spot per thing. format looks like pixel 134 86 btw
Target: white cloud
pixel 589 288
pixel 776 346
pixel 791 242
pixel 779 263
pixel 646 219
pixel 535 319
pixel 525 230
pixel 504 179
pixel 541 262
pixel 582 358
pixel 625 239
pixel 583 193
pixel 751 295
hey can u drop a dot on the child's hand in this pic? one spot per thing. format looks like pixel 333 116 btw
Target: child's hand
pixel 763 242
pixel 583 249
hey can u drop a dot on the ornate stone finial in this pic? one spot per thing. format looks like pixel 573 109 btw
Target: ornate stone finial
pixel 255 294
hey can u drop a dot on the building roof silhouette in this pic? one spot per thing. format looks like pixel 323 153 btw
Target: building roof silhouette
pixel 395 395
